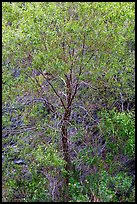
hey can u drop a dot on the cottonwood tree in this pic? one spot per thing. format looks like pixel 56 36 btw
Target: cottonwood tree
pixel 58 45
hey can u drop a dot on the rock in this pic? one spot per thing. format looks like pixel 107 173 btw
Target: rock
pixel 19 161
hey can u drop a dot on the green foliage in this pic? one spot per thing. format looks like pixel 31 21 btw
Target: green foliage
pixel 26 190
pixel 38 38
pixel 85 155
pixel 94 38
pixel 77 192
pixel 119 131
pixel 6 120
pixel 32 186
pixel 109 186
pixel 48 156
pixel 103 185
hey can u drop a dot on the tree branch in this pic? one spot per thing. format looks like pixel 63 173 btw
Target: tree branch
pixel 54 90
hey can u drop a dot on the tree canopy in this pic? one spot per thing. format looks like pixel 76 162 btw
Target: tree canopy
pixel 65 66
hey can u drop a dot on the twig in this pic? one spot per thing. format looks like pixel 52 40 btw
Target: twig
pixel 54 90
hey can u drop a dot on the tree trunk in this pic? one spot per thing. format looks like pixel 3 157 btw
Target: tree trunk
pixel 66 151
pixel 64 129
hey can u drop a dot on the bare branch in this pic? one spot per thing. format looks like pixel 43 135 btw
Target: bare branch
pixel 54 90
pixel 33 79
pixel 75 91
pixel 89 85
pixel 83 46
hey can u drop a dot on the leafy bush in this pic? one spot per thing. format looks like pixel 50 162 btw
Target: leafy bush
pixel 119 131
pixel 76 190
pixel 113 188
pixel 21 189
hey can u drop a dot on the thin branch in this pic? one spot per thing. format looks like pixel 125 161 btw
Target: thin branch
pixel 34 80
pixel 75 91
pixel 54 90
pixel 89 85
pixel 83 46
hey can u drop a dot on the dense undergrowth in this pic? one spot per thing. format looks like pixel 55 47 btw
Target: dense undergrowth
pixel 68 85
pixel 98 170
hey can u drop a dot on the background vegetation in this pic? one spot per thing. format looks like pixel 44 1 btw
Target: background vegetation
pixel 68 91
